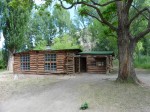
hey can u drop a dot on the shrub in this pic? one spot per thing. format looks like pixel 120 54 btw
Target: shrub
pixel 84 106
pixel 2 64
pixel 142 62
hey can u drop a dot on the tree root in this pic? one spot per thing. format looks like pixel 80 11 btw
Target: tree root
pixel 132 80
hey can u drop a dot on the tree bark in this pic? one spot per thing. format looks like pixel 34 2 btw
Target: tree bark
pixel 10 61
pixel 126 46
pixel 126 71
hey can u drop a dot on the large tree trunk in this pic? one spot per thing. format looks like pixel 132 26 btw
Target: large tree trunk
pixel 10 61
pixel 126 62
pixel 126 45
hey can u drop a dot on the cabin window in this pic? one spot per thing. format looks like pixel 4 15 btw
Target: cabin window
pixel 25 62
pixel 50 62
pixel 93 63
pixel 100 64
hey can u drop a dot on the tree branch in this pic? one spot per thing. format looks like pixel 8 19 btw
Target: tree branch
pixel 147 30
pixel 137 15
pixel 73 4
pixel 142 34
pixel 94 17
pixel 139 11
pixel 128 5
pixel 105 4
pixel 103 20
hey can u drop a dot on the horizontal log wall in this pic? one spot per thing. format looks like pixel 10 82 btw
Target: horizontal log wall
pixel 16 65
pixel 63 64
pixel 92 66
pixel 37 63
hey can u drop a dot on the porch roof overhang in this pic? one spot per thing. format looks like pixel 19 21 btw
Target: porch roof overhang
pixel 97 53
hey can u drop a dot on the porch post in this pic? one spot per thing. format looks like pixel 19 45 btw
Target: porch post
pixel 79 64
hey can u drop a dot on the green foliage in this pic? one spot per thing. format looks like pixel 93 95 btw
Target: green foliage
pixel 105 38
pixel 23 4
pixel 83 11
pixel 65 42
pixel 2 64
pixel 84 106
pixel 146 45
pixel 41 27
pixel 40 45
pixel 142 62
pixel 62 21
pixel 69 1
pixel 15 23
pixel 139 46
pixel 2 61
pixel 58 6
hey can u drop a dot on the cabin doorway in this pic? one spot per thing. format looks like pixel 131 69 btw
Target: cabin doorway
pixel 83 66
pixel 80 64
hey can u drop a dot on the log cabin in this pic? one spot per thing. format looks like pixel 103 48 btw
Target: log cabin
pixel 65 61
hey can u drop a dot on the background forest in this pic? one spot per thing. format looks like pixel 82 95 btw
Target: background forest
pixel 28 26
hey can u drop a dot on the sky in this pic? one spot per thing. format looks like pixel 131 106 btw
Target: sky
pixel 1 40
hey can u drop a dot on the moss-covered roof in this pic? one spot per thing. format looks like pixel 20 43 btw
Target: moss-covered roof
pixel 50 50
pixel 98 53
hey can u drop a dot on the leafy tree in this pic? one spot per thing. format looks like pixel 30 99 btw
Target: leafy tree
pixel 41 27
pixel 65 42
pixel 82 32
pixel 16 15
pixel 105 39
pixel 44 25
pixel 62 21
pixel 126 40
pixel 40 45
pixel 146 45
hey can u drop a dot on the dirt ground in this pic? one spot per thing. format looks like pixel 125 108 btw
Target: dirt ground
pixel 33 93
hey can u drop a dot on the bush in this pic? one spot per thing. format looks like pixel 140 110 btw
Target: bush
pixel 142 62
pixel 84 106
pixel 2 64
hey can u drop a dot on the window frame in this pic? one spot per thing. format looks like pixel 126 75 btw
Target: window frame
pixel 50 60
pixel 25 62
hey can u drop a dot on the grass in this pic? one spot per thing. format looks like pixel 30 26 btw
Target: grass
pixel 2 70
pixel 108 96
pixel 142 62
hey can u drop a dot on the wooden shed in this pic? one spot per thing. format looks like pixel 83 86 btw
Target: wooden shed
pixel 65 61
pixel 96 61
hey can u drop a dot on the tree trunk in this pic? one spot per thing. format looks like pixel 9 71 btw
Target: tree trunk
pixel 126 71
pixel 10 61
pixel 126 46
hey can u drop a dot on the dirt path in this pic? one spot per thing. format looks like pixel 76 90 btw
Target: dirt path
pixel 63 96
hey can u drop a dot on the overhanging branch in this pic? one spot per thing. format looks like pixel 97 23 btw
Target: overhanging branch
pixel 137 15
pixel 128 5
pixel 142 34
pixel 94 17
pixel 147 30
pixel 102 19
pixel 141 13
pixel 105 4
